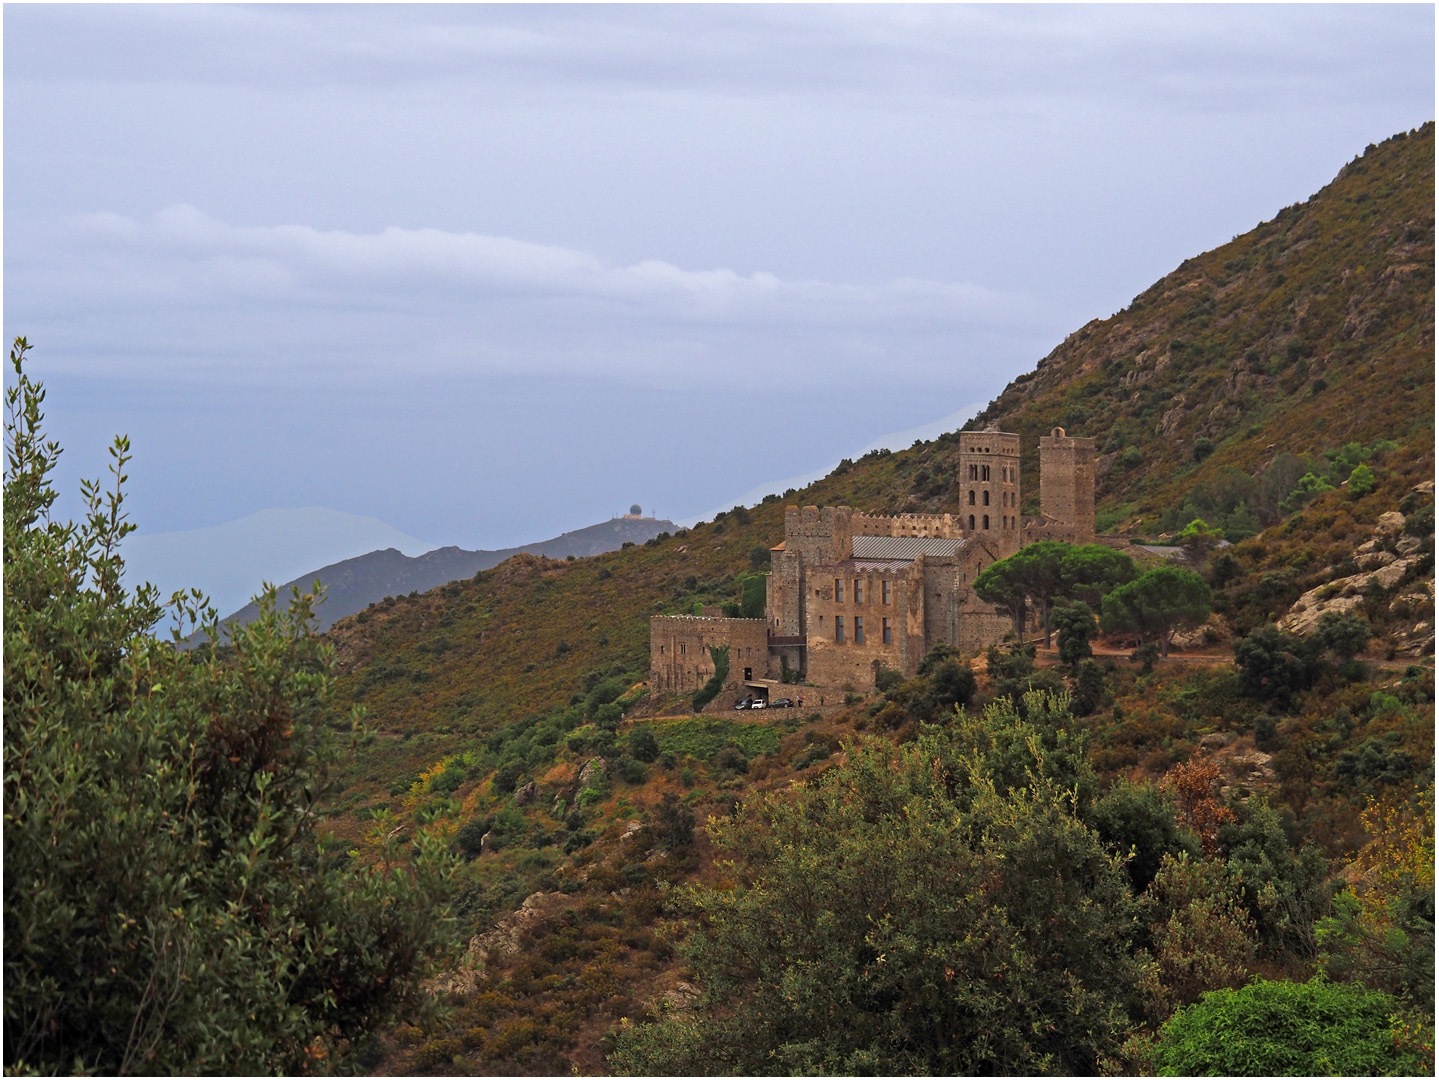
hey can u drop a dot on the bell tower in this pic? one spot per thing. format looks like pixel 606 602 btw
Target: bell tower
pixel 989 488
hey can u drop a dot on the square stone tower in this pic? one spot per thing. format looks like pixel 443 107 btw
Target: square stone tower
pixel 1066 485
pixel 989 488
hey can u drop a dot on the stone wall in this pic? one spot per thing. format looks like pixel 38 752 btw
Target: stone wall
pixel 989 489
pixel 680 660
pixel 948 526
pixel 832 662
pixel 784 593
pixel 1066 489
pixel 818 536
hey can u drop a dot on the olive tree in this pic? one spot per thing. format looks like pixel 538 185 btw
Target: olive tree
pixel 171 903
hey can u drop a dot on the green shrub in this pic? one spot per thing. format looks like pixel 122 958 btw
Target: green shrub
pixel 1361 481
pixel 1267 1028
pixel 170 906
pixel 644 746
pixel 471 833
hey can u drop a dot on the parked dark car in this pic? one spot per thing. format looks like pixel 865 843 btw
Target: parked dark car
pixel 744 703
pixel 781 703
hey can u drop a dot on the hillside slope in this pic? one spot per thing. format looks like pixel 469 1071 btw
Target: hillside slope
pixel 1303 346
pixel 354 584
pixel 1312 331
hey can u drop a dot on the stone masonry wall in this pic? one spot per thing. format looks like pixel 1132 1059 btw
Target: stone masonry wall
pixel 1066 489
pixel 832 662
pixel 680 659
pixel 816 535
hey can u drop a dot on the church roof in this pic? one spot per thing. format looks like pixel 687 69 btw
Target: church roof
pixel 904 547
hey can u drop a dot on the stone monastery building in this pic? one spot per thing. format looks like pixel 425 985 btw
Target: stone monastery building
pixel 850 593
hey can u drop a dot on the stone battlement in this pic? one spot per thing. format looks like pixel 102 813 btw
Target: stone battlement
pixel 717 620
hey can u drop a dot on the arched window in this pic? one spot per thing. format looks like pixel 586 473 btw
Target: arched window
pixel 986 498
pixel 971 498
pixel 984 472
pixel 986 521
pixel 971 522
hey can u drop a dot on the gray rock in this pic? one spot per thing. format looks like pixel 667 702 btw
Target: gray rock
pixel 592 773
pixel 1389 524
pixel 1391 575
pixel 1374 560
pixel 527 794
pixel 1408 545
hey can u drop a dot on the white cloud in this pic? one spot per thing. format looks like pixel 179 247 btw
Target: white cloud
pixel 201 256
pixel 457 301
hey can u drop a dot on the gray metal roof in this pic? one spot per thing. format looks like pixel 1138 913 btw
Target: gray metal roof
pixel 904 547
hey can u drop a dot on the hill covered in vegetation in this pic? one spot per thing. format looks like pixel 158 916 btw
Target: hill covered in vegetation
pixel 1280 387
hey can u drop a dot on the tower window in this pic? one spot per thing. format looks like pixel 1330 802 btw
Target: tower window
pixel 984 472
pixel 884 592
pixel 971 497
pixel 986 498
pixel 974 472
pixel 839 629
pixel 971 522
pixel 986 521
pixel 886 632
pixel 859 629
pixel 838 591
pixel 858 591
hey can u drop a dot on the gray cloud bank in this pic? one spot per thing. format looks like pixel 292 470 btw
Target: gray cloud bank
pixel 490 273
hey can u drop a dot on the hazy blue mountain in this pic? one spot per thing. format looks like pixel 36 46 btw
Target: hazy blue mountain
pixel 354 584
pixel 228 562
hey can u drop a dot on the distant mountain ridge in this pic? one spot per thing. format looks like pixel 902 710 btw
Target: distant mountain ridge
pixel 352 585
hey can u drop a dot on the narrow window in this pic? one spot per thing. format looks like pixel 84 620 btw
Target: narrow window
pixel 886 632
pixel 884 592
pixel 974 472
pixel 971 497
pixel 662 650
pixel 839 629
pixel 747 675
pixel 971 522
pixel 986 498
pixel 986 521
pixel 858 591
pixel 859 630
pixel 838 591
pixel 682 648
pixel 984 473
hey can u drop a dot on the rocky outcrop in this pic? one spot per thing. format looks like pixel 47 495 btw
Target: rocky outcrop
pixel 593 773
pixel 1384 562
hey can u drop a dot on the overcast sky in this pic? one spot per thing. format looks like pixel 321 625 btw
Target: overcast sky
pixel 490 273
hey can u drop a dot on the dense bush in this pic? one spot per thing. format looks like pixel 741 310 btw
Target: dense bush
pixel 169 905
pixel 1316 1028
pixel 875 905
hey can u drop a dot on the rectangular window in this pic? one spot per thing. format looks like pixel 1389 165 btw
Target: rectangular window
pixel 885 632
pixel 858 591
pixel 839 629
pixel 838 591
pixel 859 630
pixel 884 592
